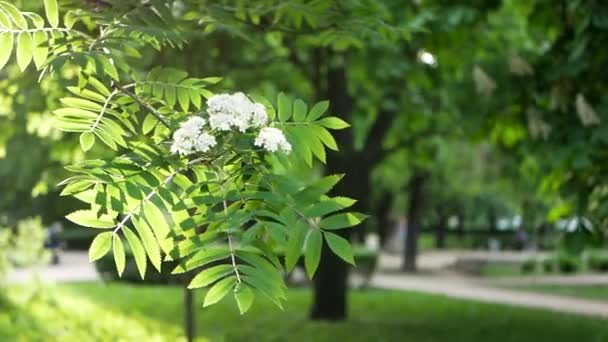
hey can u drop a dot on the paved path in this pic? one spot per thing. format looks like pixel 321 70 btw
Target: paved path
pixel 74 266
pixel 474 289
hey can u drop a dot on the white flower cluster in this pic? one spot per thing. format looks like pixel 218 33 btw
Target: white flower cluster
pixel 191 138
pixel 227 111
pixel 272 139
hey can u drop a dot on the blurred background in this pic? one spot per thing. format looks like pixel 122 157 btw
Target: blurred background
pixel 478 147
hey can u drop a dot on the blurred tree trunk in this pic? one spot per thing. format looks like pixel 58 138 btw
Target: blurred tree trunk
pixel 330 281
pixel 189 327
pixel 382 215
pixel 416 198
pixel 440 230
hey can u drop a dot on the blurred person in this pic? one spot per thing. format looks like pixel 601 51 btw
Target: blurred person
pixel 53 241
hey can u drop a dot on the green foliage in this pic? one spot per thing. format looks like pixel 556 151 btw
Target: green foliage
pixel 220 210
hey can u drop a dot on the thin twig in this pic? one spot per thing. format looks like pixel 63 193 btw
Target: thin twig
pixel 141 103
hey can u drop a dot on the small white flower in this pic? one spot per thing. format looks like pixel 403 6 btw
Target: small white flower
pixel 190 138
pixel 204 142
pixel 235 111
pixel 221 122
pixel 259 117
pixel 273 140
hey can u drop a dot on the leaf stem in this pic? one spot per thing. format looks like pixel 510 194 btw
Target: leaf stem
pixel 141 103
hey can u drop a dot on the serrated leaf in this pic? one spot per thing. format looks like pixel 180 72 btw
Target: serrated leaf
pixel 312 252
pixel 89 218
pixel 219 291
pixel 171 95
pixel 284 107
pixel 15 15
pixel 195 97
pixel 149 242
pixel 326 138
pixel 25 50
pixel 149 123
pixel 328 206
pixel 317 110
pixel 294 245
pixel 6 47
pixel 5 21
pixel 244 297
pixel 69 19
pixel 210 276
pixel 100 246
pixel 343 220
pixel 41 51
pixel 137 249
pixel 333 122
pixel 299 110
pixel 119 254
pixel 87 139
pixel 52 12
pixel 340 246
pixel 183 98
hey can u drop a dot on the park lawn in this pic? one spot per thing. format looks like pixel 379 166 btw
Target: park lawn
pixel 596 292
pixel 95 311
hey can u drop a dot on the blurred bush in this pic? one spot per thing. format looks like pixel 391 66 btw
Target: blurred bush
pixel 597 260
pixel 77 238
pixel 568 263
pixel 548 265
pixel 528 266
pixel 107 270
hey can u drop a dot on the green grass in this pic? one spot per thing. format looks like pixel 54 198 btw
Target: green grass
pixel 91 312
pixel 597 292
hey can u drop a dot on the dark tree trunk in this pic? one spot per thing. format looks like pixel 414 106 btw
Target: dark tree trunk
pixel 440 232
pixel 416 194
pixel 330 281
pixel 381 214
pixel 189 327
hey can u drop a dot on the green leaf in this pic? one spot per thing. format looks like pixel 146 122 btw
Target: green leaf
pixel 312 253
pixel 149 242
pixel 183 98
pixel 171 96
pixel 52 12
pixel 5 21
pixel 89 218
pixel 119 254
pixel 284 104
pixel 294 245
pixel 6 47
pixel 219 291
pixel 14 13
pixel 41 51
pixel 137 249
pixel 87 139
pixel 100 246
pixel 25 50
pixel 210 276
pixel 318 110
pixel 299 110
pixel 329 206
pixel 333 122
pixel 149 123
pixel 340 246
pixel 244 297
pixel 343 220
pixel 326 138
